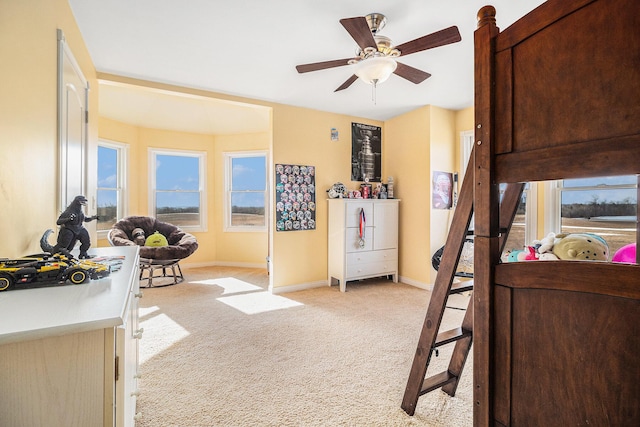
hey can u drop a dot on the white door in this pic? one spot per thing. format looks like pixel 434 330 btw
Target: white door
pixel 72 124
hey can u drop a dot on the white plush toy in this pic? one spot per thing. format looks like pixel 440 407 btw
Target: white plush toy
pixel 546 244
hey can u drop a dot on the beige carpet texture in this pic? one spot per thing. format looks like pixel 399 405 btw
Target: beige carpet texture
pixel 220 350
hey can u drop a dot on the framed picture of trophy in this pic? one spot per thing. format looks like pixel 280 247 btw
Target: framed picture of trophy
pixel 366 153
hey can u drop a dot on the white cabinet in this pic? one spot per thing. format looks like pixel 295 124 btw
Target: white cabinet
pixel 363 239
pixel 69 354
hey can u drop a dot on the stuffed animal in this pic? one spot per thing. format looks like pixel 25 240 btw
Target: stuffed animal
pixel 545 245
pixel 156 239
pixel 581 246
pixel 573 246
pixel 516 255
pixel 626 254
pixel 138 236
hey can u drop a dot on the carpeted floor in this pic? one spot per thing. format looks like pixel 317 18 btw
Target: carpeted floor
pixel 219 350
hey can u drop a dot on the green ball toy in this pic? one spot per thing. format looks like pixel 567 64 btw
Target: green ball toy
pixel 156 239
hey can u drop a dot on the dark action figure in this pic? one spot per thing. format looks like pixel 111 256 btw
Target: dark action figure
pixel 71 223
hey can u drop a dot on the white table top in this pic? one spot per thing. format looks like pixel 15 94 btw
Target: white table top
pixel 51 311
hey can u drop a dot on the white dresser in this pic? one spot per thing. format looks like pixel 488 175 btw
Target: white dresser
pixel 69 354
pixel 354 254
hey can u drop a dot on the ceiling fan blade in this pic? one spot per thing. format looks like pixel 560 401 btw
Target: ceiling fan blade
pixel 316 66
pixel 348 83
pixel 360 31
pixel 439 38
pixel 412 74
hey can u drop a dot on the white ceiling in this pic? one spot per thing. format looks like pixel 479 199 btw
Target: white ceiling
pixel 249 48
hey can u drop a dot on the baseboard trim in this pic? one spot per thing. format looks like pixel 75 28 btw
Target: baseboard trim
pixel 421 285
pixel 225 264
pixel 300 287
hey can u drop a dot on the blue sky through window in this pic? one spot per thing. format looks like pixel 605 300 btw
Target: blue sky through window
pixel 248 174
pixel 177 173
pixel 107 175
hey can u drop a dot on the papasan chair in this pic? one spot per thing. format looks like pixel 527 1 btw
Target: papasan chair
pixel 135 230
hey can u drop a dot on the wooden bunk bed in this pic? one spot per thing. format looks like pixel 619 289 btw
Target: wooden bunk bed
pixel 557 96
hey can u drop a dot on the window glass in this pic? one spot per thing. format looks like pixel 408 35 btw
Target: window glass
pixel 110 191
pixel 605 206
pixel 246 191
pixel 179 188
pixel 518 234
pixel 600 181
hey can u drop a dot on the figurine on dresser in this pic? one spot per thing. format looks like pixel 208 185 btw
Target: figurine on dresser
pixel 72 230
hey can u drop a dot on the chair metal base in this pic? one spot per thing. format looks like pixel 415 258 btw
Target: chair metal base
pixel 169 269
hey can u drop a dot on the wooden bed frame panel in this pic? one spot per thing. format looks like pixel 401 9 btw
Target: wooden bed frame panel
pixel 557 96
pixel 576 87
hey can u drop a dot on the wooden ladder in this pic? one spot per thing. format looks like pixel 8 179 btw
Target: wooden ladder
pixel 430 339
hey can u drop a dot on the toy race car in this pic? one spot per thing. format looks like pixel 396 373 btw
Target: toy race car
pixel 46 268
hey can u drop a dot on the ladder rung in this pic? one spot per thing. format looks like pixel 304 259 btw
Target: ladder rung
pixel 450 336
pixel 458 288
pixel 436 381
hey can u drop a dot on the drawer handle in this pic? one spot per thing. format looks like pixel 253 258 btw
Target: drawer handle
pixel 137 376
pixel 138 295
pixel 135 393
pixel 138 333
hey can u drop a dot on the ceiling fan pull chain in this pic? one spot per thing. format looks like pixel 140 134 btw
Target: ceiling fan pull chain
pixel 373 91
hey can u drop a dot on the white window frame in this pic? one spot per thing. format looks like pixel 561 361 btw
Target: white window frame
pixel 122 184
pixel 228 169
pixel 553 205
pixel 531 213
pixel 202 180
pixel 466 146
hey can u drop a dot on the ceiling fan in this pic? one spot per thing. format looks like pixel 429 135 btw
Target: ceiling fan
pixel 375 57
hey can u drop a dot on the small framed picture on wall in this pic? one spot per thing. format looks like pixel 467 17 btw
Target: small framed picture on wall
pixel 442 190
pixel 366 152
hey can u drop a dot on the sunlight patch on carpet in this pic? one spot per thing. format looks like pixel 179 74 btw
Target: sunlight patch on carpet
pixel 160 333
pixel 230 285
pixel 258 302
pixel 143 311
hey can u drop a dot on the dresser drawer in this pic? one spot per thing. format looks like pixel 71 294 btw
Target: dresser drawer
pixel 371 269
pixel 372 257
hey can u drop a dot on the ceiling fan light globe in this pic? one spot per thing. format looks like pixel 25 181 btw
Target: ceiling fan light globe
pixel 375 70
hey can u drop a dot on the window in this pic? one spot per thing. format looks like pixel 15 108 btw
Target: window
pixel 605 206
pixel 246 191
pixel 177 190
pixel 523 228
pixel 111 198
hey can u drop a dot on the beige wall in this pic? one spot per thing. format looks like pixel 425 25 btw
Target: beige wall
pixel 28 124
pixel 408 159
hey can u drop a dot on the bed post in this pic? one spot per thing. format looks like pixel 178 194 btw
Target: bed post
pixel 486 204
